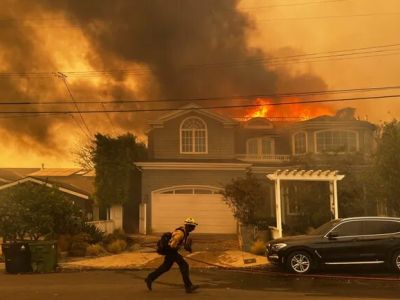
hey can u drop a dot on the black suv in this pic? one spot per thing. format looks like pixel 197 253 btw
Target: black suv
pixel 351 241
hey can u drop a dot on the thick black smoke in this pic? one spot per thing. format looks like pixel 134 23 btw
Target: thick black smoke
pixel 181 42
pixel 191 48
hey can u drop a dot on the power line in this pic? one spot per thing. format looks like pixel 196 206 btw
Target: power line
pixel 31 116
pixel 208 107
pixel 291 4
pixel 4 21
pixel 109 119
pixel 349 53
pixel 64 79
pixel 311 56
pixel 329 17
pixel 229 97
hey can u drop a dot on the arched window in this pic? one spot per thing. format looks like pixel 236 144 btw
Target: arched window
pixel 193 133
pixel 336 141
pixel 190 190
pixel 260 146
pixel 299 143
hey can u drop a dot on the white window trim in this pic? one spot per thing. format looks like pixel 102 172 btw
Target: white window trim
pixel 213 189
pixel 259 145
pixel 193 137
pixel 293 142
pixel 336 130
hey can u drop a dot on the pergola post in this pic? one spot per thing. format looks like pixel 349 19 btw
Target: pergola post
pixel 278 207
pixel 305 175
pixel 335 199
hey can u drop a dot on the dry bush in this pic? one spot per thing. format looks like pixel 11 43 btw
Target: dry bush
pixel 118 234
pixel 78 246
pixel 116 246
pixel 258 248
pixel 94 250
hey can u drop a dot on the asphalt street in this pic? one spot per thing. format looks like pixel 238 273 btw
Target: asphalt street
pixel 214 284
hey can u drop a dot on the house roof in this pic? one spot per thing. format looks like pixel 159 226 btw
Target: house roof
pixel 344 116
pixel 63 187
pixel 12 174
pixel 190 108
pixel 80 183
pixel 55 172
pixel 73 178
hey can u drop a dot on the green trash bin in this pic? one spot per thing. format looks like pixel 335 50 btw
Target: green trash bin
pixel 43 256
pixel 17 257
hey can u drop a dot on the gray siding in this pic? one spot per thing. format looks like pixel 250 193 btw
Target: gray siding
pixel 164 143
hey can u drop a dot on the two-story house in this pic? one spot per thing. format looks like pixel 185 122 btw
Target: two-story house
pixel 194 152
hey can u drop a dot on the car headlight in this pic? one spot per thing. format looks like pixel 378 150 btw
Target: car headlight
pixel 279 246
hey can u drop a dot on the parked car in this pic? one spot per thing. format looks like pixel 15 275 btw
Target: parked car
pixel 350 241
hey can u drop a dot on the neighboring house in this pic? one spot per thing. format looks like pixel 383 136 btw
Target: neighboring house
pixel 8 175
pixel 77 187
pixel 194 152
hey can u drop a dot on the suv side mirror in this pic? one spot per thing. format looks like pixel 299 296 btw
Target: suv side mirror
pixel 332 235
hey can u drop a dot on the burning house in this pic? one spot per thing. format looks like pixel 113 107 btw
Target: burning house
pixel 194 152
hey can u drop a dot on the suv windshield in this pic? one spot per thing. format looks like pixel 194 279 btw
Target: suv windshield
pixel 323 229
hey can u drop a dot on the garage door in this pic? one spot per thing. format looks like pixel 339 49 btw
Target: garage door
pixel 171 207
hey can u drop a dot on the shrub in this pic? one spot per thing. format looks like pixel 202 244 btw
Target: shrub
pixel 78 249
pixel 94 233
pixel 258 248
pixel 116 246
pixel 247 197
pixel 94 250
pixel 79 244
pixel 37 211
pixel 63 243
pixel 117 234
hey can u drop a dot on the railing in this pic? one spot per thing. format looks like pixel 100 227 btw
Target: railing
pixel 106 226
pixel 264 158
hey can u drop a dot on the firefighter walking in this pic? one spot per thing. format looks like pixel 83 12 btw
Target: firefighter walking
pixel 169 245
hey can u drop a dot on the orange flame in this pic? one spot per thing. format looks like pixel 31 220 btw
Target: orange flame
pixel 294 111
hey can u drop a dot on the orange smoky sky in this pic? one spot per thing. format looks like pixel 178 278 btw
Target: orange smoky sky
pixel 284 28
pixel 149 49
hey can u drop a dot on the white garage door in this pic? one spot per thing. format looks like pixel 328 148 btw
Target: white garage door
pixel 171 207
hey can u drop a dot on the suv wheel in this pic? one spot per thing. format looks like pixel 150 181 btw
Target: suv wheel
pixel 396 261
pixel 300 262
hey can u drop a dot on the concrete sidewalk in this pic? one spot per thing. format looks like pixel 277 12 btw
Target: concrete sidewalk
pixel 146 260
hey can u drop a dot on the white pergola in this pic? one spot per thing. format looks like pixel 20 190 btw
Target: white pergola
pixel 304 175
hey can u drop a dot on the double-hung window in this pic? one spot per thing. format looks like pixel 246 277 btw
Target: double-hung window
pixel 299 143
pixel 260 146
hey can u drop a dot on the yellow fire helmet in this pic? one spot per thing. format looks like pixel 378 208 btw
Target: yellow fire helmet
pixel 190 221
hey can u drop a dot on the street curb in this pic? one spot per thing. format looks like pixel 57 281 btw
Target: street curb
pixel 87 268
